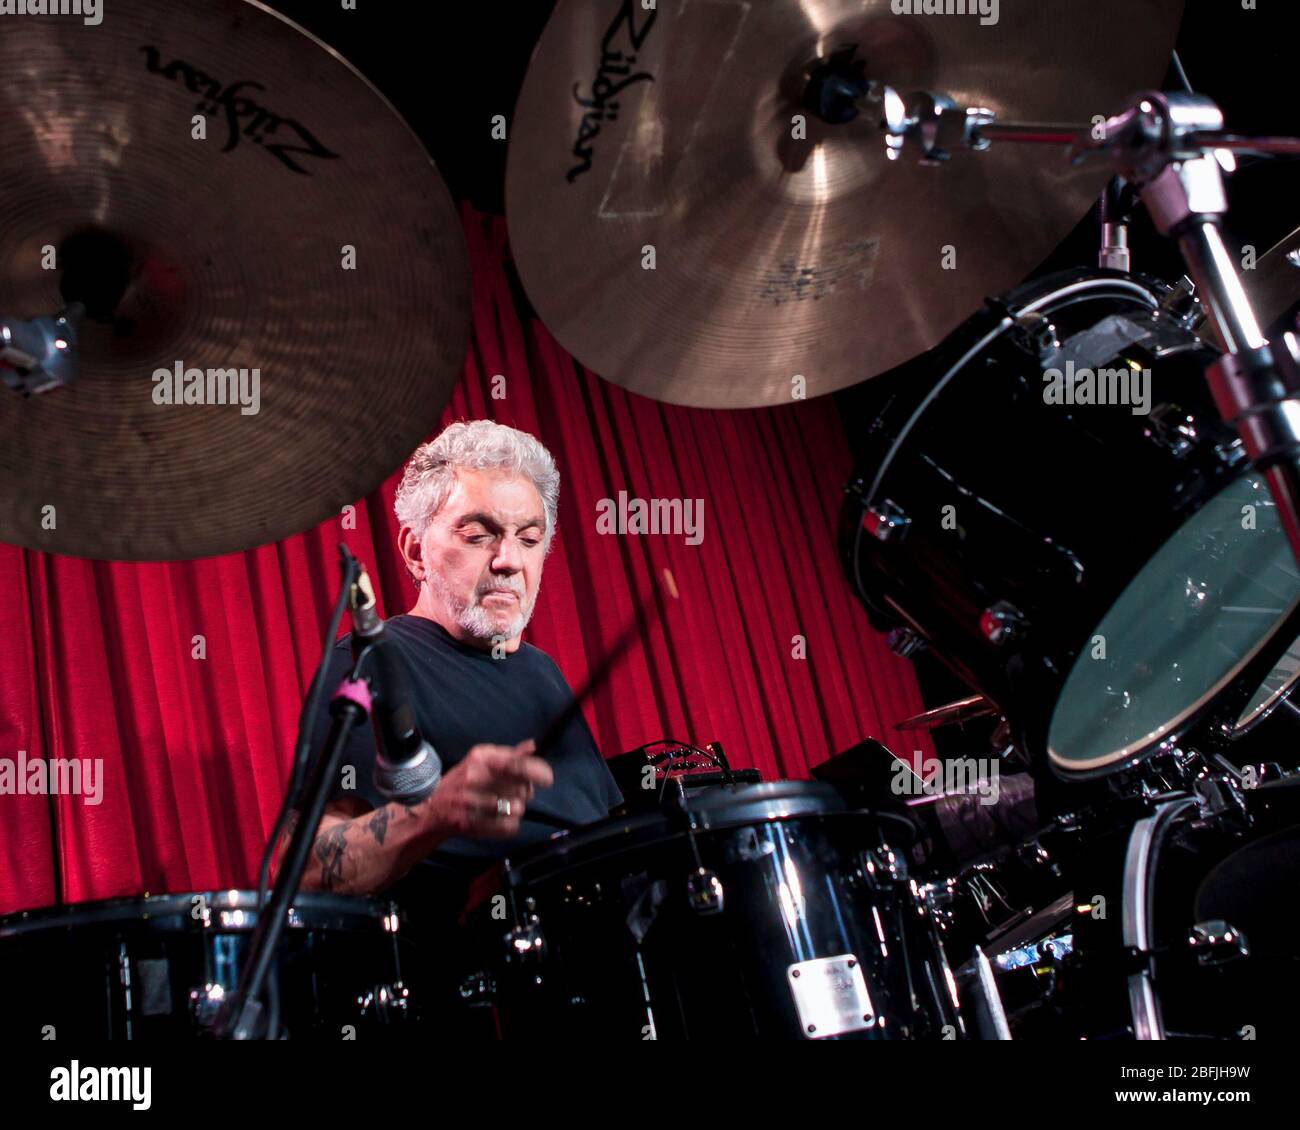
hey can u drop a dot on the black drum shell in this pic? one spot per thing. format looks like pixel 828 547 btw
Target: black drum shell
pixel 774 847
pixel 124 968
pixel 1057 507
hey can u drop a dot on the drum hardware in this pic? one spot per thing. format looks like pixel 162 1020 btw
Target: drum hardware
pixel 1183 305
pixel 1036 335
pixel 1002 623
pixel 904 642
pixel 1114 215
pixel 388 1004
pixel 525 941
pixel 1138 915
pixel 885 521
pixel 979 990
pixel 1168 146
pixel 40 354
pixel 1216 942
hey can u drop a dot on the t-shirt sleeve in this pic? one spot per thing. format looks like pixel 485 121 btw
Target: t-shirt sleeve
pixel 355 774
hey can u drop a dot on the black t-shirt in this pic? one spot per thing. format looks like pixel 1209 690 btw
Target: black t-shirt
pixel 463 697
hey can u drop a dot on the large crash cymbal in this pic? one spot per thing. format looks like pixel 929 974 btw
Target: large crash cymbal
pixel 221 253
pixel 776 257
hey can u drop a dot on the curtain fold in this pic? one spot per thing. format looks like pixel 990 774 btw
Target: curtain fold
pixel 184 680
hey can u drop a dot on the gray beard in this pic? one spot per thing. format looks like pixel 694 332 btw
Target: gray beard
pixel 475 620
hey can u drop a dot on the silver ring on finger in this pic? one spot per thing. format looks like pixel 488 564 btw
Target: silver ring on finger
pixel 503 806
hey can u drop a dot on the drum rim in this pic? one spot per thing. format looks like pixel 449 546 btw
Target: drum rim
pixel 1137 750
pixel 312 909
pixel 721 810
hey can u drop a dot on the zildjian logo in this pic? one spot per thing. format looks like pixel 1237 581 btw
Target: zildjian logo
pixel 613 75
pixel 283 138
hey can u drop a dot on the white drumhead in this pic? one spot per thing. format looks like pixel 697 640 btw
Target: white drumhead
pixel 1186 625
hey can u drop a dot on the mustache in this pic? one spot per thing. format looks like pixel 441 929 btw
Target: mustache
pixel 517 590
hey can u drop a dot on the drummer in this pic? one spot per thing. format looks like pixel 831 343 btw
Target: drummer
pixel 477 511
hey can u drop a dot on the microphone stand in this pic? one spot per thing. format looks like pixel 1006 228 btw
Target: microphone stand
pixel 242 1016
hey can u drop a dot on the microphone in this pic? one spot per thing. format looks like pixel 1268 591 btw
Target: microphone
pixel 407 768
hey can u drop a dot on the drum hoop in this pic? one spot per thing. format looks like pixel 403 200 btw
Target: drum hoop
pixel 1137 750
pixel 555 856
pixel 312 911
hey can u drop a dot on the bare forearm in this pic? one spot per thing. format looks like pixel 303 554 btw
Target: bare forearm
pixel 367 853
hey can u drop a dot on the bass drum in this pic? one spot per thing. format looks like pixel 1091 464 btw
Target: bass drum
pixel 1188 931
pixel 777 910
pixel 159 967
pixel 1106 573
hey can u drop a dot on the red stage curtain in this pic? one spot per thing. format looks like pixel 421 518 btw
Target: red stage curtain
pixel 100 659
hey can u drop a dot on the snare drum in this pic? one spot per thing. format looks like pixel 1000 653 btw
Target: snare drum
pixel 1106 573
pixel 770 910
pixel 160 967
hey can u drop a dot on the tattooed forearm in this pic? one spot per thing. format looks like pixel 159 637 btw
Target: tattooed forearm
pixel 330 849
pixel 378 824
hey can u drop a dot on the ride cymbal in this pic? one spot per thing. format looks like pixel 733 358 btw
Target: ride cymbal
pixel 678 238
pixel 223 192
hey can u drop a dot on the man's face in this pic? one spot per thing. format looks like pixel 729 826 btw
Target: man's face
pixel 483 555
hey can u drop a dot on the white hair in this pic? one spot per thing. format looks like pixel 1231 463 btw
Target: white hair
pixel 476 445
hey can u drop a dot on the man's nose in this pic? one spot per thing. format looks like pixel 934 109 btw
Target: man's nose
pixel 509 557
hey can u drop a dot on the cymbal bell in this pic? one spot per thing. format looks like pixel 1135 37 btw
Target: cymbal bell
pixel 683 235
pixel 223 192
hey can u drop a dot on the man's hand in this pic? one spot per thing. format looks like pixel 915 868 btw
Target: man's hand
pixel 359 851
pixel 465 801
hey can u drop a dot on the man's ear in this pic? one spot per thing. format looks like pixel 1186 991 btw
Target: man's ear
pixel 412 552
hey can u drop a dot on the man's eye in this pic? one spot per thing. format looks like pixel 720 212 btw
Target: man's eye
pixel 477 539
pixel 531 542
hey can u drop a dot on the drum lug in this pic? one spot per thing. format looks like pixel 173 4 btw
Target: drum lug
pixel 478 988
pixel 1173 429
pixel 1002 623
pixel 526 941
pixel 1035 334
pixel 704 893
pixel 1215 942
pixel 885 521
pixel 386 1003
pixel 882 865
pixel 935 901
pixel 205 1004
